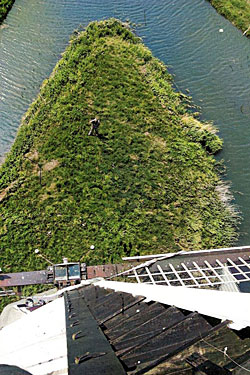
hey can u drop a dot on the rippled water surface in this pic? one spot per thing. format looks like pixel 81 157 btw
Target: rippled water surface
pixel 214 66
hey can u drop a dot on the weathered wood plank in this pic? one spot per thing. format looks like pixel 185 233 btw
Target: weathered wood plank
pixel 237 349
pixel 131 325
pixel 149 329
pixel 168 343
pixel 113 304
pixel 118 320
pixel 203 365
pixel 92 294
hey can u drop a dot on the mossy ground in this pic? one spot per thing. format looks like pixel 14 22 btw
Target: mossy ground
pixel 5 7
pixel 146 184
pixel 236 11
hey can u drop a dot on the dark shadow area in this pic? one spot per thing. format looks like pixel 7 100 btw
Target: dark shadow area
pixel 12 370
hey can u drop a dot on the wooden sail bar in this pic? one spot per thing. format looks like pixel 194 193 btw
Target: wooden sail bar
pixel 191 253
pixel 20 279
pixel 194 269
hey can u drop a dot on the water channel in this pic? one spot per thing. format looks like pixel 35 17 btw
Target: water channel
pixel 214 66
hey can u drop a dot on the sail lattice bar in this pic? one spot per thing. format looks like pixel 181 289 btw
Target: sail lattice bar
pixel 218 269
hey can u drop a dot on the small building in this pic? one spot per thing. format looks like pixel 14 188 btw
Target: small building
pixel 66 273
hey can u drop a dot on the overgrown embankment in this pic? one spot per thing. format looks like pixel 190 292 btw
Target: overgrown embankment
pixel 148 183
pixel 5 7
pixel 236 11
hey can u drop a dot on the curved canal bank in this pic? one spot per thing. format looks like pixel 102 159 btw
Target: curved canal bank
pixel 237 12
pixel 5 7
pixel 184 34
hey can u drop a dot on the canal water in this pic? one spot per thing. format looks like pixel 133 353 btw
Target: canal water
pixel 214 66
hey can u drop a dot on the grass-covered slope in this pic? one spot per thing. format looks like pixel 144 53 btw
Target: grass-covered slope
pixel 5 7
pixel 147 184
pixel 236 11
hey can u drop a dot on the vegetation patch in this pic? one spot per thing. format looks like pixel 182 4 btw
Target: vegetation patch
pixel 236 11
pixel 146 183
pixel 5 7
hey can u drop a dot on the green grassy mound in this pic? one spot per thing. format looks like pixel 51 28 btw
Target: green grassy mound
pixel 148 183
pixel 5 7
pixel 236 11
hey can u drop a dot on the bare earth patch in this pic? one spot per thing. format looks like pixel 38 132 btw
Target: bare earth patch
pixel 32 155
pixel 50 165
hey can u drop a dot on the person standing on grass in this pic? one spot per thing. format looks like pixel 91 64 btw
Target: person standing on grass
pixel 95 123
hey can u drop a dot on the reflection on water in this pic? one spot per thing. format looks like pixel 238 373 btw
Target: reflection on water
pixel 214 66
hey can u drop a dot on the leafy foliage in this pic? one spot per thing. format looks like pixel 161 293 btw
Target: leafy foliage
pixel 5 6
pixel 237 11
pixel 146 184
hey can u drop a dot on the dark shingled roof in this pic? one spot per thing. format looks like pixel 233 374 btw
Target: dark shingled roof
pixel 115 333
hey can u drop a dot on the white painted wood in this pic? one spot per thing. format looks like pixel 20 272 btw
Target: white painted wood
pixel 176 274
pixel 150 276
pixel 37 342
pixel 163 274
pixel 202 273
pixel 190 274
